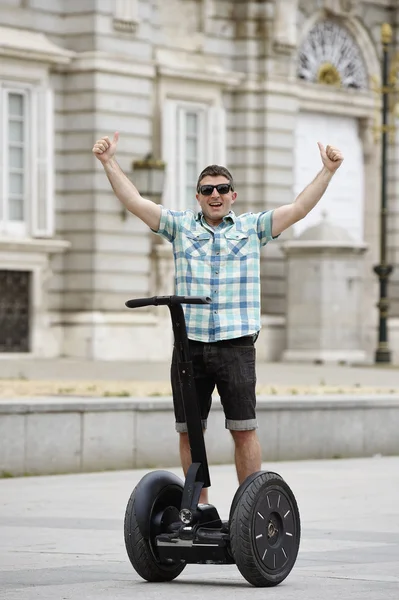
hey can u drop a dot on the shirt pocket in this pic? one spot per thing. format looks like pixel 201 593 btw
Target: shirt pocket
pixel 196 245
pixel 237 243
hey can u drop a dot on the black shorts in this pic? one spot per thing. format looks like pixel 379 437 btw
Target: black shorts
pixel 230 366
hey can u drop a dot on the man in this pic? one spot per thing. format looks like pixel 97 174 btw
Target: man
pixel 217 254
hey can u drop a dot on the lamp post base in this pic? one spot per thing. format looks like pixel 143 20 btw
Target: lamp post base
pixel 383 355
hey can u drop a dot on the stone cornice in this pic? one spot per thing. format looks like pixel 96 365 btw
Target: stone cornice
pixel 48 246
pixel 104 62
pixel 198 67
pixel 31 45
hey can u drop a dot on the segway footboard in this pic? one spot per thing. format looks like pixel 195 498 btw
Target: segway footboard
pixel 208 543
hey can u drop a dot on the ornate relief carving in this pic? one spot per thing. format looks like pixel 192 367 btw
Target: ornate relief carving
pixel 126 15
pixel 341 7
pixel 330 55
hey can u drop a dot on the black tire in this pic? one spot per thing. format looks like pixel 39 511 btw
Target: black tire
pixel 141 549
pixel 240 492
pixel 265 530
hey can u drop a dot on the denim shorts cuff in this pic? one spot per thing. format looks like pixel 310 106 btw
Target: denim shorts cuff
pixel 182 427
pixel 241 425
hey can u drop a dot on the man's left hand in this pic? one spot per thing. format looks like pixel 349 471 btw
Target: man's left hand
pixel 332 157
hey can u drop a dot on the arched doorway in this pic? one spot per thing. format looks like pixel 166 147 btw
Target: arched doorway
pixel 330 56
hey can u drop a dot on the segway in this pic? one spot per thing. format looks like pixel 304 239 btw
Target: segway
pixel 166 528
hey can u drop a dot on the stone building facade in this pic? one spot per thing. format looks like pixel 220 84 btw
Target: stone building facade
pixel 251 84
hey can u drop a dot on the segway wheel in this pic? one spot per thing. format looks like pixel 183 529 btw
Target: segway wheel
pixel 265 530
pixel 153 506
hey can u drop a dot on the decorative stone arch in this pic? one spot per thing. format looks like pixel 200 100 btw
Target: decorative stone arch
pixel 333 67
pixel 355 115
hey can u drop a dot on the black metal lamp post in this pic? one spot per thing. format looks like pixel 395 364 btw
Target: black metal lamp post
pixel 383 270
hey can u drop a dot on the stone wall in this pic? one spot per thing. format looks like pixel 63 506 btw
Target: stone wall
pixel 240 55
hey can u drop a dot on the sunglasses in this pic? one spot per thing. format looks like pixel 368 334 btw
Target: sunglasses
pixel 222 188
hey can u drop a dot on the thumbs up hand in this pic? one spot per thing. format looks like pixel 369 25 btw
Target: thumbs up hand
pixel 104 149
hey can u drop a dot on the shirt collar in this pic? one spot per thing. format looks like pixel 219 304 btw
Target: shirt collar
pixel 229 217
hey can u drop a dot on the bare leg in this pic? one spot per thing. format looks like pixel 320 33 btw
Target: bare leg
pixel 248 453
pixel 185 457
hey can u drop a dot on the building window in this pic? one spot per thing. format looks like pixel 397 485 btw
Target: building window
pixel 15 311
pixel 15 168
pixel 193 137
pixel 26 164
pixel 190 154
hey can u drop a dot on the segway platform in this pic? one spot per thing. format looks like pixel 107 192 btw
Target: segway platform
pixel 165 526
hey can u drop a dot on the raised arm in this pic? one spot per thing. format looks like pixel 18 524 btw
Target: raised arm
pixel 125 191
pixel 287 215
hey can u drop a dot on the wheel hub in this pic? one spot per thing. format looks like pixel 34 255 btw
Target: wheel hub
pixel 271 530
pixel 186 516
pixel 274 530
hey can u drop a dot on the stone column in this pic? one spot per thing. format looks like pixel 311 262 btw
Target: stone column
pixel 163 271
pixel 325 282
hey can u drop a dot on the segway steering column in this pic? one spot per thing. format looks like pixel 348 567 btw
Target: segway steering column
pixel 198 474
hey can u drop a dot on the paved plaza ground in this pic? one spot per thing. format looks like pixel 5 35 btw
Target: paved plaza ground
pixel 61 537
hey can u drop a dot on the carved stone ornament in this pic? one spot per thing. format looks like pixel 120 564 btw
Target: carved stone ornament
pixel 341 7
pixel 329 55
pixel 126 15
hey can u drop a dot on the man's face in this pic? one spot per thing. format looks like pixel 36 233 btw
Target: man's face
pixel 218 204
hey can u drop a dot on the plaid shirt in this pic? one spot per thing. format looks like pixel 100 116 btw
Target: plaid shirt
pixel 221 262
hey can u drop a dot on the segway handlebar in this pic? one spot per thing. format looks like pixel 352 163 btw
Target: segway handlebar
pixel 186 379
pixel 167 301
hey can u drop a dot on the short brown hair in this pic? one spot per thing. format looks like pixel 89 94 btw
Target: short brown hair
pixel 214 171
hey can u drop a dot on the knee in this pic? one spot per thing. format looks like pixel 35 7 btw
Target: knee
pixel 241 438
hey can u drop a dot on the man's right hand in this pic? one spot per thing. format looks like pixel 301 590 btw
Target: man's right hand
pixel 146 210
pixel 104 149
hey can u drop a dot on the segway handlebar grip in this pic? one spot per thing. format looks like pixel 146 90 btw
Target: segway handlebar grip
pixel 138 302
pixel 192 299
pixel 167 301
